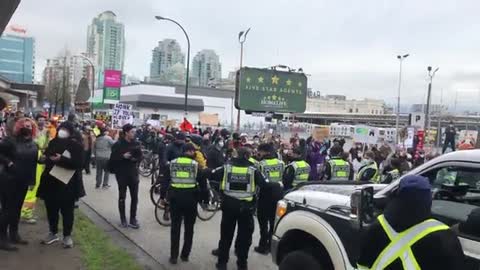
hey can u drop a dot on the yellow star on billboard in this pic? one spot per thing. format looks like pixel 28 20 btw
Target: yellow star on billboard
pixel 260 79
pixel 300 84
pixel 275 79
pixel 248 79
pixel 289 82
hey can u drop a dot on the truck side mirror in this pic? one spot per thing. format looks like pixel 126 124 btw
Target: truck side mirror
pixel 362 205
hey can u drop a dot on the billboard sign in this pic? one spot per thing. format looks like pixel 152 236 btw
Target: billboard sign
pixel 112 78
pixel 111 95
pixel 269 90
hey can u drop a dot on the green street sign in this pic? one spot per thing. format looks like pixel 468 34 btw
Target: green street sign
pixel 268 90
pixel 111 95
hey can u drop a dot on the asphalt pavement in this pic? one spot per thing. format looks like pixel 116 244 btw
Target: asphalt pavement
pixel 154 239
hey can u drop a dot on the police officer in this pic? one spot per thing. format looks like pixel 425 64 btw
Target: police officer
pixel 272 168
pixel 393 172
pixel 297 171
pixel 337 168
pixel 369 170
pixel 185 178
pixel 239 181
pixel 406 239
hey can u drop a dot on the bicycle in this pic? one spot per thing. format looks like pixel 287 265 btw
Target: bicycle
pixel 205 211
pixel 148 164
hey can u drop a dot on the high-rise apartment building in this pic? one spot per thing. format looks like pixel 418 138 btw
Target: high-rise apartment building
pixel 168 62
pixel 106 44
pixel 206 68
pixel 17 57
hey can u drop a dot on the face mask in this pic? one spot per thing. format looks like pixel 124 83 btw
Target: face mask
pixel 221 144
pixel 63 134
pixel 25 131
pixel 285 151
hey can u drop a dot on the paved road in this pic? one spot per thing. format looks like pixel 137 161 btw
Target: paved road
pixel 155 239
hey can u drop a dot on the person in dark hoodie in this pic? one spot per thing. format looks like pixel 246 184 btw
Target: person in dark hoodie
pixel 175 149
pixel 59 195
pixel 18 155
pixel 126 153
pixel 426 243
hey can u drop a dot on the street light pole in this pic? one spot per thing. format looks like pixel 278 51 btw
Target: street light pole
pixel 160 18
pixel 242 37
pixel 429 93
pixel 397 121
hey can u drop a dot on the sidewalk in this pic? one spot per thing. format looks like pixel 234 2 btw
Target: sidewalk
pixel 40 257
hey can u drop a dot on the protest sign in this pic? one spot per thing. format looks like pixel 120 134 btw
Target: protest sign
pixel 122 115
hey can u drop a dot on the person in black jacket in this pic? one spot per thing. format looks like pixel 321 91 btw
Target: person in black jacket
pixel 18 155
pixel 238 205
pixel 64 152
pixel 433 245
pixel 126 153
pixel 175 149
pixel 215 154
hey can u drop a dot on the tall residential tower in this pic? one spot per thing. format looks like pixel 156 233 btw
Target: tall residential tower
pixel 168 63
pixel 206 69
pixel 106 44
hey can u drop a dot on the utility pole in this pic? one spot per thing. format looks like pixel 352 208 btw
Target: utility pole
pixel 397 121
pixel 429 93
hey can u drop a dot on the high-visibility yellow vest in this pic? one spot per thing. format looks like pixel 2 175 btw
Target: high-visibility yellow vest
pixel 239 182
pixel 395 174
pixel 254 161
pixel 272 169
pixel 183 172
pixel 340 169
pixel 96 131
pixel 302 170
pixel 400 246
pixel 371 165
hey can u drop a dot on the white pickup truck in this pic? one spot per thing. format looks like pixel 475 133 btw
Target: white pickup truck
pixel 318 225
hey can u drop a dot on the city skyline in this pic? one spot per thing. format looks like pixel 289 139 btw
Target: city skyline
pixel 345 49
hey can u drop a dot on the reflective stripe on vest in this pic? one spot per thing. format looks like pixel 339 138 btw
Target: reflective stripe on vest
pixel 373 166
pixel 183 172
pixel 272 169
pixel 302 170
pixel 400 246
pixel 239 175
pixel 340 169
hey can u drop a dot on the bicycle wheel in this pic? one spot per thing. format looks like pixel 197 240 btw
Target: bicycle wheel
pixel 163 216
pixel 155 192
pixel 145 169
pixel 206 211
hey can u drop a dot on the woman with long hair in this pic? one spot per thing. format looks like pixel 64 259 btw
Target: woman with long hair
pixel 18 158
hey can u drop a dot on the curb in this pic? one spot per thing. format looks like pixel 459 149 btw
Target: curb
pixel 119 238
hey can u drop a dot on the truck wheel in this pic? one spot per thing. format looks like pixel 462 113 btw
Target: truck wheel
pixel 299 259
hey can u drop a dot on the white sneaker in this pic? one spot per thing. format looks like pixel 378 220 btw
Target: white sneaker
pixel 67 242
pixel 50 239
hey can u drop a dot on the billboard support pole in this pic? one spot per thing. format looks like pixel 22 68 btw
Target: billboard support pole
pixel 242 37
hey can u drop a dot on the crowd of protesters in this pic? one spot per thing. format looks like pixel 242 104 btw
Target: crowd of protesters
pixel 45 158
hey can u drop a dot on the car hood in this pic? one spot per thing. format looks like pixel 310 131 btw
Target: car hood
pixel 324 196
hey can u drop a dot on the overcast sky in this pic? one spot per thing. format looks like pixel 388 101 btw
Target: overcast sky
pixel 348 47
